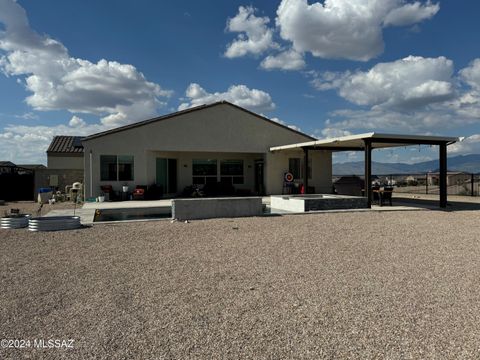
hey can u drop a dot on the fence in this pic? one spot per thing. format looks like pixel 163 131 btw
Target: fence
pixel 458 183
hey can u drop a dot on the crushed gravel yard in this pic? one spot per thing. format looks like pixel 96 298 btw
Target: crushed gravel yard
pixel 357 285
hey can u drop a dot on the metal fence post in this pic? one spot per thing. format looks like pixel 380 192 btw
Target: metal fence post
pixel 426 183
pixel 472 181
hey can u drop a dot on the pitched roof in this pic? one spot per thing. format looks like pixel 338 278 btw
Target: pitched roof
pixel 181 112
pixel 7 164
pixel 32 166
pixel 66 144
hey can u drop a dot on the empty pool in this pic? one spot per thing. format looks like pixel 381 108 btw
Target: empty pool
pixel 131 214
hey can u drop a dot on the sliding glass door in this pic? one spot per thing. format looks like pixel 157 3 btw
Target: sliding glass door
pixel 167 175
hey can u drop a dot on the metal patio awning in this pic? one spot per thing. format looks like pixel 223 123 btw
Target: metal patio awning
pixel 370 141
pixel 378 140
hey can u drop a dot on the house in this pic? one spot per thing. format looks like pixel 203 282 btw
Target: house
pixel 6 167
pixel 209 144
pixel 64 164
pixel 65 152
pixel 453 178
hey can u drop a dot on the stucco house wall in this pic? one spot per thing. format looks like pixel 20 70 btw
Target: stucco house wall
pixel 65 161
pixel 220 131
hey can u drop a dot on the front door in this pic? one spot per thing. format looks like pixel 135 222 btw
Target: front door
pixel 259 170
pixel 166 170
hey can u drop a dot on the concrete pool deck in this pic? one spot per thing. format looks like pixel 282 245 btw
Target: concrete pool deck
pixel 87 211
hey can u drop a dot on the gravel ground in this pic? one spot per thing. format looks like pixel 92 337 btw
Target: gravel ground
pixel 363 285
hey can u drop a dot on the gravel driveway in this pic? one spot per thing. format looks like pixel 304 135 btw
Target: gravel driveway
pixel 346 285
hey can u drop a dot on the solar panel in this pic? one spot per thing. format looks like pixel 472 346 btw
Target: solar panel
pixel 77 142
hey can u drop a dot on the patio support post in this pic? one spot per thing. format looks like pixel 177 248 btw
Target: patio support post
pixel 443 175
pixel 368 172
pixel 305 171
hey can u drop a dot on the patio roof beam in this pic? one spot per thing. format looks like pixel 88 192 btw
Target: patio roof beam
pixel 401 142
pixel 334 148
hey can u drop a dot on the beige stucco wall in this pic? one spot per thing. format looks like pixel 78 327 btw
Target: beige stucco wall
pixel 277 164
pixel 221 129
pixel 65 161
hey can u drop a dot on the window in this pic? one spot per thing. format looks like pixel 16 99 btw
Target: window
pixel 116 168
pixel 231 171
pixel 108 168
pixel 125 167
pixel 294 167
pixel 204 171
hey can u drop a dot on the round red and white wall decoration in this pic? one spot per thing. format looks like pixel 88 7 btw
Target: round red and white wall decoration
pixel 288 177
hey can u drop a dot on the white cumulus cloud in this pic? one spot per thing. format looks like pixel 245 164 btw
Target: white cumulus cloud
pixel 253 99
pixel 285 60
pixel 76 122
pixel 28 144
pixel 346 29
pixel 471 74
pixel 469 145
pixel 57 81
pixel 405 84
pixel 411 13
pixel 255 36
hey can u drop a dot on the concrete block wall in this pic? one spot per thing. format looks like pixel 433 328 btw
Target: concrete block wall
pixel 65 177
pixel 207 208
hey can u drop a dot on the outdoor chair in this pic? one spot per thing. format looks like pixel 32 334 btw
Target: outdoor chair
pixel 386 195
pixel 376 194
pixel 107 190
pixel 139 192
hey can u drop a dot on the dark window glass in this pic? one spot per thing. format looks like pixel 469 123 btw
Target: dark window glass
pixel 231 167
pixel 204 167
pixel 125 168
pixel 237 180
pixel 226 180
pixel 108 168
pixel 231 171
pixel 210 179
pixel 116 168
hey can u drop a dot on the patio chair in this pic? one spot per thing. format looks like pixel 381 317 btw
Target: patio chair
pixel 139 192
pixel 107 190
pixel 376 195
pixel 386 196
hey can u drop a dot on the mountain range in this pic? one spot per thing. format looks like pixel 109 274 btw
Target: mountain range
pixel 466 163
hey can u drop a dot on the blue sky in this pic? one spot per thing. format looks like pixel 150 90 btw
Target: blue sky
pixel 328 68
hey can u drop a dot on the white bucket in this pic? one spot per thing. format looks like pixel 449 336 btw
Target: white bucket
pixel 101 198
pixel 125 188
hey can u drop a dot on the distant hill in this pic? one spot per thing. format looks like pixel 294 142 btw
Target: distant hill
pixel 467 163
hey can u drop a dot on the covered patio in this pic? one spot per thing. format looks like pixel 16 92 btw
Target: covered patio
pixel 370 141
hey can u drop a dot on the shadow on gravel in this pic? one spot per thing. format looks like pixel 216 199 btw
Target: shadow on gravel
pixel 433 204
